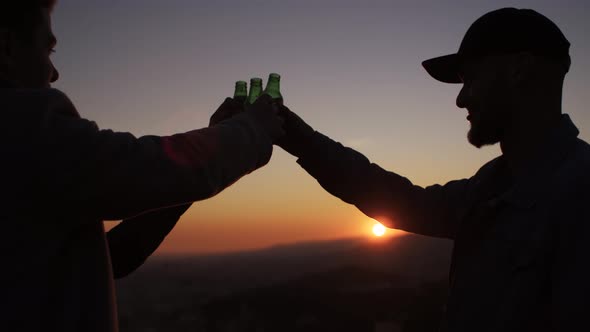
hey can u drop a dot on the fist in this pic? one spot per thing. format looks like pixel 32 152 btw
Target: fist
pixel 265 111
pixel 226 110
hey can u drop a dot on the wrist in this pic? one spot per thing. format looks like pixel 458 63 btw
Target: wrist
pixel 306 145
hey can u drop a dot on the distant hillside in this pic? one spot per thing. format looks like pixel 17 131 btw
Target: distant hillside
pixel 413 256
pixel 349 298
pixel 352 282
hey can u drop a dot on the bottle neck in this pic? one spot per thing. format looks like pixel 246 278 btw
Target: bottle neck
pixel 273 89
pixel 255 91
pixel 241 91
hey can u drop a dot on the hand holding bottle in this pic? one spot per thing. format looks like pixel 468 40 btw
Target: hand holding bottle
pixel 226 110
pixel 231 107
pixel 262 106
pixel 265 111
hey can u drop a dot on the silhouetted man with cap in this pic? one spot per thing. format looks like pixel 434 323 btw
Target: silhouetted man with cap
pixel 521 224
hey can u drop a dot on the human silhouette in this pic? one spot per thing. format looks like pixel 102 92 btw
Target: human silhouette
pixel 62 176
pixel 521 224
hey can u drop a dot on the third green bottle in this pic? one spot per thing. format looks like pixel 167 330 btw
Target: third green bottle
pixel 273 87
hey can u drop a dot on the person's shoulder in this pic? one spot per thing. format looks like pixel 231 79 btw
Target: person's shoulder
pixel 26 105
pixel 577 162
pixel 19 101
pixel 29 112
pixel 43 93
pixel 573 176
pixel 582 151
pixel 489 167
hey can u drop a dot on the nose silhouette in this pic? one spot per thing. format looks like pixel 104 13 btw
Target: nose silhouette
pixel 463 97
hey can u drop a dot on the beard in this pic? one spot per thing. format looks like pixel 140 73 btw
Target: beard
pixel 485 131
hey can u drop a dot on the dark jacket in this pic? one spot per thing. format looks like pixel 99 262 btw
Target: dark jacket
pixel 62 176
pixel 521 258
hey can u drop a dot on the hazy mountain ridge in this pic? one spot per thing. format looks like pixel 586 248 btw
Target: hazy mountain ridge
pixel 349 298
pixel 413 256
pixel 192 291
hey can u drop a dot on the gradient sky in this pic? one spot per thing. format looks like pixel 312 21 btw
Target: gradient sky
pixel 351 69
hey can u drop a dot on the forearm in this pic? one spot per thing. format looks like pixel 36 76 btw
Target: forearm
pixel 385 196
pixel 133 240
pixel 115 175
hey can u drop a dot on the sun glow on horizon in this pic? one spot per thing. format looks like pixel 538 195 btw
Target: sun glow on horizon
pixel 378 230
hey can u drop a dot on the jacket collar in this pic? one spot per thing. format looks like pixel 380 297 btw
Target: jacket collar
pixel 526 189
pixel 535 183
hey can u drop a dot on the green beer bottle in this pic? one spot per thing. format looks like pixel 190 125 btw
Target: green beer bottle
pixel 255 90
pixel 273 87
pixel 241 91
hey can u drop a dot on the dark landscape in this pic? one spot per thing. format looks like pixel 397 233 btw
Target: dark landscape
pixel 398 284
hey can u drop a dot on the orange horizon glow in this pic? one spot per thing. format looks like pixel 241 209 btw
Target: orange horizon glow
pixel 191 237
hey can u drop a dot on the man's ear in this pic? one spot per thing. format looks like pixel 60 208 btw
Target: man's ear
pixel 522 68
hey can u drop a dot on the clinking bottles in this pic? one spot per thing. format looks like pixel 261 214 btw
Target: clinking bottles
pixel 273 89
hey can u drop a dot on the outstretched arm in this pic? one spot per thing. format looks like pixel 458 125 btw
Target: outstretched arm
pixel 108 175
pixel 385 196
pixel 133 240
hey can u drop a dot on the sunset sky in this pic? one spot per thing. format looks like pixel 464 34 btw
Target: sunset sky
pixel 351 69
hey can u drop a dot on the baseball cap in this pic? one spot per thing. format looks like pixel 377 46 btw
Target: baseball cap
pixel 503 31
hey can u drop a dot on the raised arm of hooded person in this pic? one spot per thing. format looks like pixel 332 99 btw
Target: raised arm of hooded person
pixel 107 175
pixel 135 239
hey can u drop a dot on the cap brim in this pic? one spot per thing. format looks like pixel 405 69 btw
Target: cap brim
pixel 444 68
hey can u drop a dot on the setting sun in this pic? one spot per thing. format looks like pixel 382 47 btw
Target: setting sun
pixel 378 230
